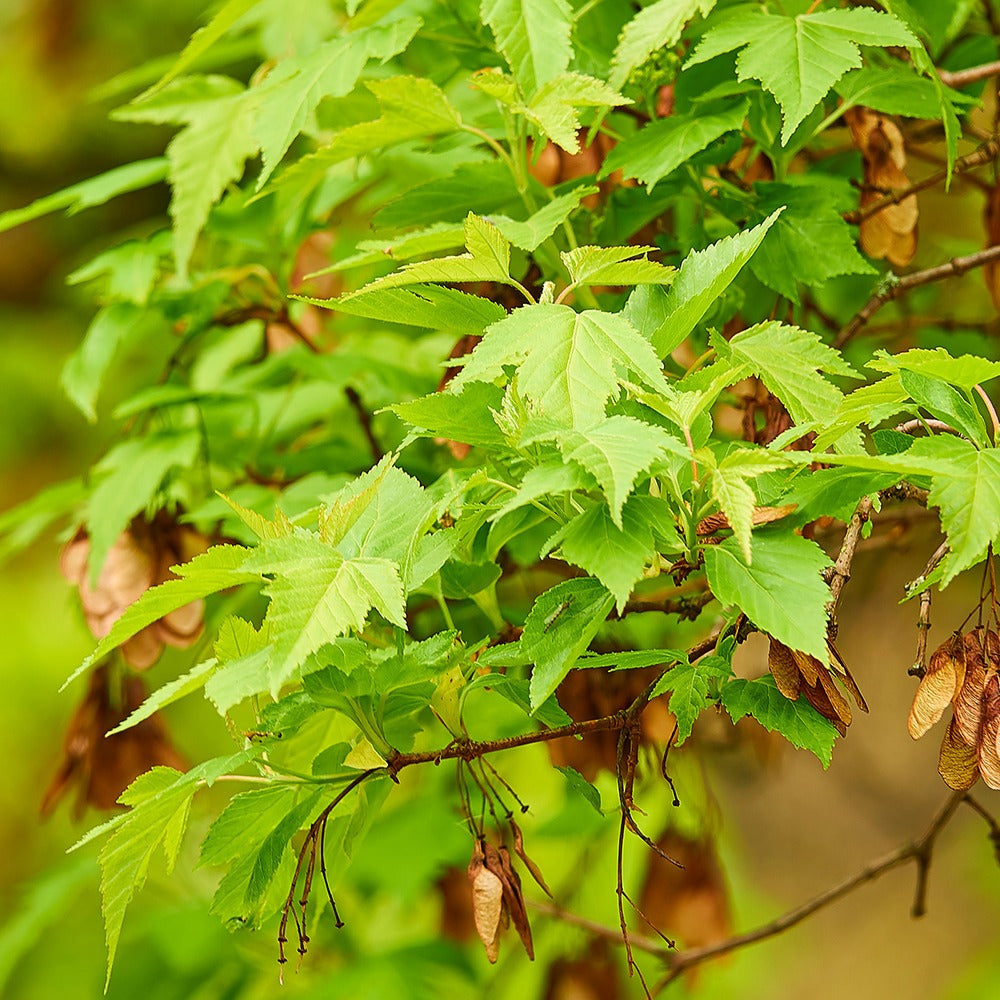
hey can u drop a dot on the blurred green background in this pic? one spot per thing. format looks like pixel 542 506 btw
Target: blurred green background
pixel 787 830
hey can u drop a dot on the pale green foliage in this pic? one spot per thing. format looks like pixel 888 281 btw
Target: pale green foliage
pixel 472 353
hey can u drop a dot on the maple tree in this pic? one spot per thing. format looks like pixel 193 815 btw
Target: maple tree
pixel 500 369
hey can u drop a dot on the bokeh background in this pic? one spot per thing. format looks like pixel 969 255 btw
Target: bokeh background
pixel 786 829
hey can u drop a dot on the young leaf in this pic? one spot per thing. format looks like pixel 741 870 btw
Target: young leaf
pixel 317 595
pixel 789 362
pixel 654 28
pixel 89 193
pixel 615 451
pixel 615 266
pixel 702 277
pixel 733 494
pixel 204 38
pixel 429 305
pixel 616 556
pixel 797 721
pixel 293 90
pixel 567 359
pixel 534 37
pixel 533 231
pixel 172 691
pixel 688 686
pixel 553 108
pixel 782 592
pixel 488 259
pixel 559 627
pixel 662 146
pixel 798 59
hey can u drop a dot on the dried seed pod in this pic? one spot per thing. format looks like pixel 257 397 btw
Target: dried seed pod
pixel 892 231
pixel 101 766
pixel 941 682
pixel 958 762
pixel 533 869
pixel 968 701
pixel 487 900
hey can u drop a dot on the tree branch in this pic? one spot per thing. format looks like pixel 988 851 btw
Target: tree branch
pixel 892 287
pixel 987 152
pixel 919 851
pixel 963 77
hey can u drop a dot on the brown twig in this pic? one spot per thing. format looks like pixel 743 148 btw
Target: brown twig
pixel 840 572
pixel 963 77
pixel 892 288
pixel 919 851
pixel 924 615
pixel 986 153
pixel 364 418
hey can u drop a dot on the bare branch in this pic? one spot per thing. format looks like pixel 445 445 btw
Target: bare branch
pixel 919 851
pixel 963 77
pixel 892 287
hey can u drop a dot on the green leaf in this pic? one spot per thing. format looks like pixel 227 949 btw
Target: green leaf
pixel 615 451
pixel 798 59
pixel 534 37
pixel 616 556
pixel 789 362
pixel 160 800
pixel 895 90
pixel 965 486
pixel 782 592
pixel 204 38
pixel 131 270
pixel 615 266
pixel 488 259
pixel 688 684
pixel 581 786
pixel 661 147
pixel 963 371
pixel 207 155
pixel 535 230
pixel 702 278
pixel 868 405
pixel 20 526
pixel 461 416
pixel 553 110
pixel 560 626
pixel 84 371
pixel 810 242
pixel 734 496
pixel 654 28
pixel 129 477
pixel 566 359
pixel 317 595
pixel 635 659
pixel 797 721
pixel 294 89
pixel 216 569
pixel 89 193
pixel 245 822
pixel 543 481
pixel 429 306
pixel 170 692
pixel 946 403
